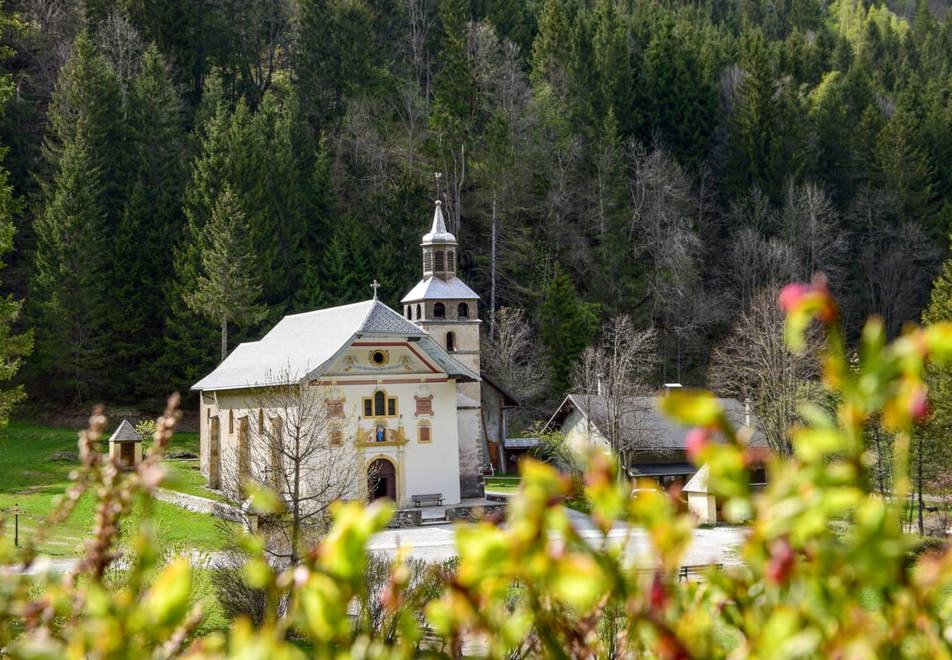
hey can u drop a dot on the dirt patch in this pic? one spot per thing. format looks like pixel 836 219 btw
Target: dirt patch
pixel 67 455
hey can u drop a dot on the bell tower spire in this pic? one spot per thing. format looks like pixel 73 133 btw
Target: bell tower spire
pixel 448 310
pixel 439 248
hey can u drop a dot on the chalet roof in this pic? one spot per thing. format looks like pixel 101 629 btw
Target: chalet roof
pixel 438 232
pixel 125 433
pixel 435 288
pixel 643 423
pixel 302 346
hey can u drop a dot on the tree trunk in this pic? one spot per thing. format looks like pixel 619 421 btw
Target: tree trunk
pixel 224 339
pixel 492 274
pixel 296 503
pixel 920 504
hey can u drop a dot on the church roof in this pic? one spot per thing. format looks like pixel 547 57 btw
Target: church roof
pixel 435 288
pixel 301 346
pixel 438 232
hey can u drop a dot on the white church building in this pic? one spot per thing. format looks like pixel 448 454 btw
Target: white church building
pixel 403 390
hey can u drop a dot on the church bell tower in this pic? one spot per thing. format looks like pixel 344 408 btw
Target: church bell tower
pixel 444 306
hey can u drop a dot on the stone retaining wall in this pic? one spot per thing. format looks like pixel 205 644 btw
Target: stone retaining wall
pixel 473 513
pixel 404 518
pixel 198 504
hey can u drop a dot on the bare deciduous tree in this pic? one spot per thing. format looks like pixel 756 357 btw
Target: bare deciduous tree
pixel 614 374
pixel 513 358
pixel 294 445
pixel 754 363
pixel 121 44
pixel 898 260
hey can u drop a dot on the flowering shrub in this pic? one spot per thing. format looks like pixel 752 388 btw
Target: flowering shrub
pixel 534 586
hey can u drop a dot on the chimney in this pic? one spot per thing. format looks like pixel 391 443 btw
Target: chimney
pixel 600 385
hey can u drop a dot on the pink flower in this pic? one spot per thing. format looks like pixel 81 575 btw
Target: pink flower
pixel 919 405
pixel 791 294
pixel 697 440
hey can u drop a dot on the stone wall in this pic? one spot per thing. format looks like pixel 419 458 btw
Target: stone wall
pixel 475 513
pixel 470 453
pixel 197 504
pixel 404 518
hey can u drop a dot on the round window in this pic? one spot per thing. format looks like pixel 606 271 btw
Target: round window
pixel 378 357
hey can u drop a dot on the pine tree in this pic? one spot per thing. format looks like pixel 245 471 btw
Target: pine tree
pixel 349 264
pixel 453 92
pixel 88 101
pixel 71 287
pixel 902 167
pixel 567 327
pixel 14 345
pixel 152 217
pixel 227 290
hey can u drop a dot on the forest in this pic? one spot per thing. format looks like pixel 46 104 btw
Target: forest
pixel 668 160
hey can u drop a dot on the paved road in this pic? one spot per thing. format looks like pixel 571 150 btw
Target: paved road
pixel 436 543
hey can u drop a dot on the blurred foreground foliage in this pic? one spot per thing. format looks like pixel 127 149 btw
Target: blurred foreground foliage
pixel 533 586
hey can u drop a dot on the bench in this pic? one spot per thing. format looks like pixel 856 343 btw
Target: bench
pixel 695 570
pixel 435 498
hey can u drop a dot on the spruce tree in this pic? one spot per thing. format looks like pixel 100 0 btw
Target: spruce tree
pixel 567 327
pixel 227 290
pixel 152 217
pixel 14 345
pixel 71 291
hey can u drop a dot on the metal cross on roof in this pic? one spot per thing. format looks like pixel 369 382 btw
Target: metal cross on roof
pixel 375 285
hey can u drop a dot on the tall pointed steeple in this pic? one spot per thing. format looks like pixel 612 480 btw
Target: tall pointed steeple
pixel 439 248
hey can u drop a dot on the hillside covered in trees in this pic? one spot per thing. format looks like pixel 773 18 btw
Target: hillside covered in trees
pixel 668 160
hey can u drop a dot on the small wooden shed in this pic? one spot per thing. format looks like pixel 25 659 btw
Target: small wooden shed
pixel 701 502
pixel 125 446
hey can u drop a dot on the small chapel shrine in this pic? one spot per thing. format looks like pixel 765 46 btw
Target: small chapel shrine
pixel 403 390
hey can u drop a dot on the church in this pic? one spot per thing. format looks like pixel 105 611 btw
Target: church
pixel 404 391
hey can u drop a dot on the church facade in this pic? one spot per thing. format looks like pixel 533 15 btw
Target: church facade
pixel 401 393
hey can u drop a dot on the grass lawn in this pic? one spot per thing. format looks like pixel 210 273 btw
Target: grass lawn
pixel 503 484
pixel 34 475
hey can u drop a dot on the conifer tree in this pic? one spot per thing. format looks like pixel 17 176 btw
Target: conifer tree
pixel 152 217
pixel 88 101
pixel 227 290
pixel 71 284
pixel 567 327
pixel 14 345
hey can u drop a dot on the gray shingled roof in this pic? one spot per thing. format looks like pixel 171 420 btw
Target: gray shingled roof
pixel 644 423
pixel 125 433
pixel 434 288
pixel 301 346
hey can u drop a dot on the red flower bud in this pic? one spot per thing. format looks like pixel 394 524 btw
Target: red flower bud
pixel 697 440
pixel 657 597
pixel 919 405
pixel 781 561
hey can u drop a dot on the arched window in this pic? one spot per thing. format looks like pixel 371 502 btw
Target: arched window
pixel 451 341
pixel 380 402
pixel 450 260
pixel 462 311
pixel 439 262
pixel 427 260
pixel 419 312
pixel 439 311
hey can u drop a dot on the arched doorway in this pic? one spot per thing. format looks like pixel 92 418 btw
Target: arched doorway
pixel 381 480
